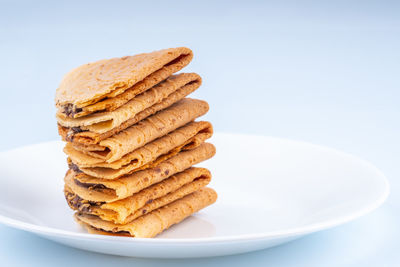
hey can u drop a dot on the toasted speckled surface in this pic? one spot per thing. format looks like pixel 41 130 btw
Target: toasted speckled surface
pixel 148 129
pixel 101 122
pixel 89 83
pixel 154 222
pixel 91 138
pixel 151 198
pixel 187 137
pixel 130 184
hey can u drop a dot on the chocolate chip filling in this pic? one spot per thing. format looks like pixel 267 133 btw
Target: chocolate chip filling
pixel 76 129
pixel 90 186
pixel 111 232
pixel 77 203
pixel 72 131
pixel 70 110
pixel 74 167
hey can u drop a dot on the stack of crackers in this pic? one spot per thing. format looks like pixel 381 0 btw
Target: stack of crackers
pixel 132 139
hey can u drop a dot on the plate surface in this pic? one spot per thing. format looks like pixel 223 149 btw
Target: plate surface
pixel 271 191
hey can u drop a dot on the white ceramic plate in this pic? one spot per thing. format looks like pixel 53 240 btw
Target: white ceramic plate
pixel 271 191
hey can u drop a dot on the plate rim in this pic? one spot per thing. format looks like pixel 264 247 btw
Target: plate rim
pixel 296 231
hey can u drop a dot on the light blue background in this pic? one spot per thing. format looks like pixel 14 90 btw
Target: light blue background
pixel 326 72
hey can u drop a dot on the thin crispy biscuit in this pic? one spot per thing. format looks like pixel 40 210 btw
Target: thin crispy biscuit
pixel 160 124
pixel 184 138
pixel 91 138
pixel 110 104
pixel 108 173
pixel 109 78
pixel 103 190
pixel 154 222
pixel 157 147
pixel 148 199
pixel 101 122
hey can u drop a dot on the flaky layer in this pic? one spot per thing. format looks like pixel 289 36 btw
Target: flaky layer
pixel 154 222
pixel 110 78
pixel 143 202
pixel 103 190
pixel 145 131
pixel 91 138
pixel 184 138
pixel 102 122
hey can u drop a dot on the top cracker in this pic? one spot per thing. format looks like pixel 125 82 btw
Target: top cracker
pixel 104 79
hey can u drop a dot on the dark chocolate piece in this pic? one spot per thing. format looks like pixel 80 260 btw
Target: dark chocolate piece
pixel 77 203
pixel 74 167
pixel 70 110
pixel 90 185
pixel 76 129
pixel 111 232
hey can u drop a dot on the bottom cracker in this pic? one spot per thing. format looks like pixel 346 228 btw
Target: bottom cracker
pixel 155 222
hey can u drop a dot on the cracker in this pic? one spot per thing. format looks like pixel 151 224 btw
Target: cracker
pixel 98 82
pixel 184 138
pixel 127 209
pixel 155 126
pixel 104 190
pixel 154 222
pixel 101 122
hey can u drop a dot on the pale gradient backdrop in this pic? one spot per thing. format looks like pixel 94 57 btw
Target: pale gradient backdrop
pixel 326 72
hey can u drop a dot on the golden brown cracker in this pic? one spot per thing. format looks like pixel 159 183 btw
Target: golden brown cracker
pixel 104 190
pixel 154 222
pixel 183 138
pixel 147 130
pixel 92 82
pixel 101 122
pixel 155 196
